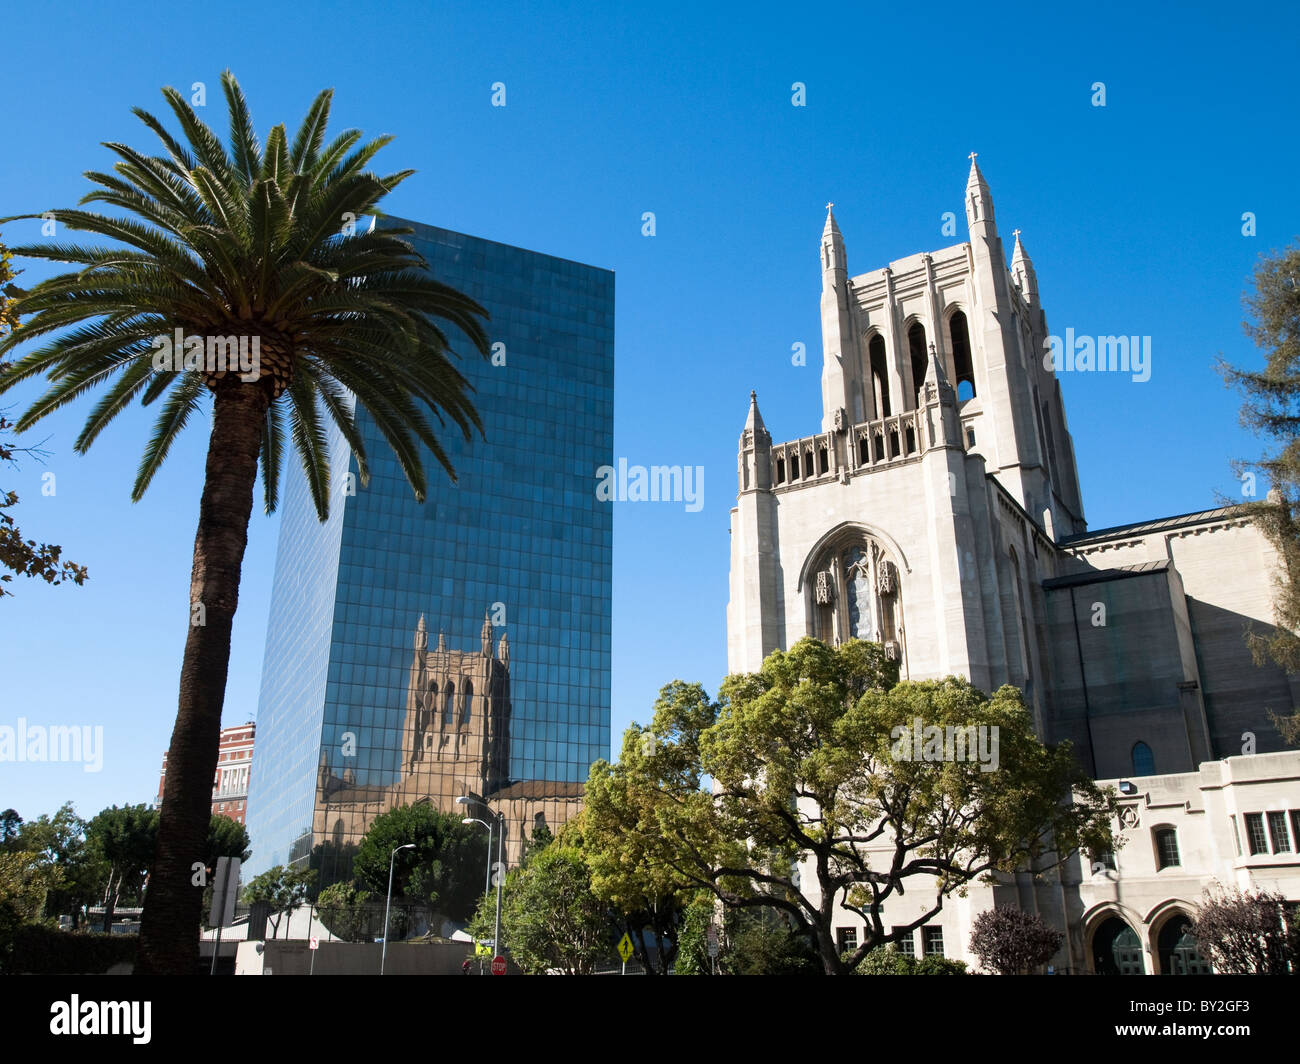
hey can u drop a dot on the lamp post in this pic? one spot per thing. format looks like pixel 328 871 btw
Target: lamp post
pixel 467 799
pixel 501 838
pixel 487 872
pixel 383 955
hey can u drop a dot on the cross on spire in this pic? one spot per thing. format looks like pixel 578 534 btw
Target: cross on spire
pixel 1015 232
pixel 972 155
pixel 829 206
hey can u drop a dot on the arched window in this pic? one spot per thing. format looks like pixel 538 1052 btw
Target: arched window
pixel 879 375
pixel 449 704
pixel 1144 761
pixel 962 366
pixel 916 348
pixel 466 702
pixel 1166 840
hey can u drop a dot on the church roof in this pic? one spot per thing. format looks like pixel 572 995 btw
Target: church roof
pixel 1102 576
pixel 1140 528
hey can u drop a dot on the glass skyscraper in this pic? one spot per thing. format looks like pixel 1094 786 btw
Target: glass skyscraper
pixel 420 652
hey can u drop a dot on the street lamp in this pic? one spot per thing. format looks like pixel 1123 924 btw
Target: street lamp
pixel 383 956
pixel 487 872
pixel 466 799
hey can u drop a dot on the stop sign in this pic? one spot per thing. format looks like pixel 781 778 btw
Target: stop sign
pixel 498 966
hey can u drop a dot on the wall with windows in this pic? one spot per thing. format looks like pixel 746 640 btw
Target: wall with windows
pixel 1126 912
pixel 1232 823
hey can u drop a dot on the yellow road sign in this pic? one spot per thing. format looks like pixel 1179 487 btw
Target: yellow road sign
pixel 625 947
pixel 480 950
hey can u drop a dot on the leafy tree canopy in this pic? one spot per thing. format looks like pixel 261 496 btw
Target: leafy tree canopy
pixel 444 870
pixel 812 801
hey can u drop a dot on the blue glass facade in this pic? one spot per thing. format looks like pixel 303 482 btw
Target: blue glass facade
pixel 424 651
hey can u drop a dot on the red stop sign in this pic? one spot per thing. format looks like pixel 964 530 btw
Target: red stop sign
pixel 498 966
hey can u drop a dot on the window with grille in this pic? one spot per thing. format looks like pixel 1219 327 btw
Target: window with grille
pixel 933 941
pixel 1278 833
pixel 848 938
pixel 907 944
pixel 1166 848
pixel 1255 836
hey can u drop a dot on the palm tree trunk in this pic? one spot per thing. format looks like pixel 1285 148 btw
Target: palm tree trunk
pixel 169 931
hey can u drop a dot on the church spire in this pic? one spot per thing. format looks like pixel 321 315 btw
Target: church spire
pixel 755 430
pixel 979 200
pixel 754 463
pixel 833 258
pixel 487 632
pixel 421 634
pixel 1022 272
pixel 936 375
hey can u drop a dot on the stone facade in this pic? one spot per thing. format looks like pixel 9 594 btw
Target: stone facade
pixel 938 510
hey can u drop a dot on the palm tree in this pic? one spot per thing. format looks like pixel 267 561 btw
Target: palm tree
pixel 257 243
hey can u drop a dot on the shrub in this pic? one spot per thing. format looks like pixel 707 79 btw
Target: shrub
pixel 39 949
pixel 886 960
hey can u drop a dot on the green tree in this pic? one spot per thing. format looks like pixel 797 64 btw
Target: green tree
pixel 551 918
pixel 284 889
pixel 25 557
pixel 11 825
pixel 1011 942
pixel 343 910
pixel 124 838
pixel 646 893
pixel 61 840
pixel 812 801
pixel 259 243
pixel 444 871
pixel 26 881
pixel 1271 409
pixel 227 837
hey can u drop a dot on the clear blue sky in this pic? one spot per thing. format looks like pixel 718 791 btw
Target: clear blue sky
pixel 1132 214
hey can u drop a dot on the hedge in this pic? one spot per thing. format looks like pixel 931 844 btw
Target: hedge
pixel 41 950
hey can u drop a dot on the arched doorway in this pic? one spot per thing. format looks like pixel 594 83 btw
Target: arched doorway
pixel 1116 949
pixel 1177 949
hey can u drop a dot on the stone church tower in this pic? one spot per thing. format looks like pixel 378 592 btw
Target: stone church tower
pixel 939 512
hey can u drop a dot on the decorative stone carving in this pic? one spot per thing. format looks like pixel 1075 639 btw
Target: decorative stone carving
pixel 886 577
pixel 824 585
pixel 1128 816
pixel 893 652
pixel 839 420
